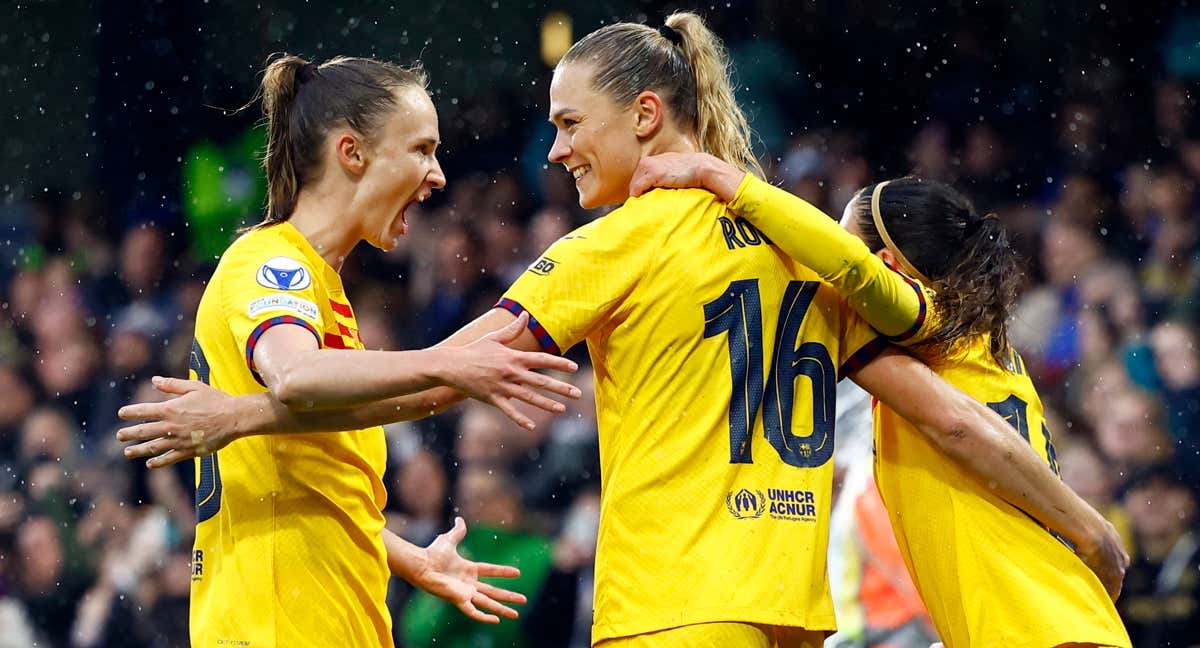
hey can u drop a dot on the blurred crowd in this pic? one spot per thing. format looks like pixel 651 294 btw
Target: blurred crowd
pixel 94 550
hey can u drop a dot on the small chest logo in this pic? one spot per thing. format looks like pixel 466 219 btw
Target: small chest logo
pixel 283 273
pixel 543 266
pixel 746 504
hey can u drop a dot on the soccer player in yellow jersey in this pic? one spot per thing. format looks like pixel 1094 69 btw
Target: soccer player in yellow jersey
pixel 290 547
pixel 715 358
pixel 943 284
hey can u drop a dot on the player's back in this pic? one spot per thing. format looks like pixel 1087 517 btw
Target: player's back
pixel 989 574
pixel 700 331
pixel 286 524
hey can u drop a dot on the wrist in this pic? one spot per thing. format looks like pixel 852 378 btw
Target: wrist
pixel 1091 532
pixel 436 365
pixel 721 178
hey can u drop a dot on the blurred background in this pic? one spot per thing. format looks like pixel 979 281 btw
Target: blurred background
pixel 124 173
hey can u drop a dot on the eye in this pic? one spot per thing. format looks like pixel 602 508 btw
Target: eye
pixel 570 123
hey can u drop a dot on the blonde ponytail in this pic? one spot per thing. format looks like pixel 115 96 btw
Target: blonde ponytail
pixel 686 64
pixel 721 125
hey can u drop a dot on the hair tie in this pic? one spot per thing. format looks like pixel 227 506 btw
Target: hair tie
pixel 671 34
pixel 887 240
pixel 307 72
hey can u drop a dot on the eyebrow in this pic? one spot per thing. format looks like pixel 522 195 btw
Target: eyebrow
pixel 426 141
pixel 557 115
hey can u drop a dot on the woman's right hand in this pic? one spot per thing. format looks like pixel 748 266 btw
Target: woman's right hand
pixel 489 371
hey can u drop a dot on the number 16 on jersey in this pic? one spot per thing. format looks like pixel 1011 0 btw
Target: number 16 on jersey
pixel 738 312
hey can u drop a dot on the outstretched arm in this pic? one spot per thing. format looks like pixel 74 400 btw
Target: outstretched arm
pixel 202 420
pixel 891 303
pixel 980 441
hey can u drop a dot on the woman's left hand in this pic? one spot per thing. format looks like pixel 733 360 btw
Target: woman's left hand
pixel 686 171
pixel 449 576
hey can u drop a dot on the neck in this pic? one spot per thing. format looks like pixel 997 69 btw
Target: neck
pixel 1157 547
pixel 321 217
pixel 669 142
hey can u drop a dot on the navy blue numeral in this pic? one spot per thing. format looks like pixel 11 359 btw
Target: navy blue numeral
pixel 208 492
pixel 1015 411
pixel 810 359
pixel 739 313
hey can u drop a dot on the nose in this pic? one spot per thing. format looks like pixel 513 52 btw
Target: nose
pixel 560 149
pixel 436 177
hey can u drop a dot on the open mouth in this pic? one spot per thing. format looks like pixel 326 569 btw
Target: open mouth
pixel 580 171
pixel 403 215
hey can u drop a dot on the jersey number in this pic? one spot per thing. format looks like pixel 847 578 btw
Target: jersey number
pixel 208 492
pixel 1015 411
pixel 738 312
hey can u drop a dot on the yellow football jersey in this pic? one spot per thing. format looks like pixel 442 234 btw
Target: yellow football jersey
pixel 716 359
pixel 989 574
pixel 288 548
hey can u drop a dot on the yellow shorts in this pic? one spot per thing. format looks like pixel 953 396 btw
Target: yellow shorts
pixel 721 635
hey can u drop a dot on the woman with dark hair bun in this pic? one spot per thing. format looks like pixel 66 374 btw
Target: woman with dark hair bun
pixel 925 269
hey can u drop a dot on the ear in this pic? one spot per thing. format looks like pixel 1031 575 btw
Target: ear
pixel 888 258
pixel 351 152
pixel 648 109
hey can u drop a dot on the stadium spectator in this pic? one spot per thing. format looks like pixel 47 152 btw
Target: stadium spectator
pixel 1162 591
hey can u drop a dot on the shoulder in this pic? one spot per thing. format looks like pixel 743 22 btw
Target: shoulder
pixel 656 210
pixel 658 201
pixel 264 256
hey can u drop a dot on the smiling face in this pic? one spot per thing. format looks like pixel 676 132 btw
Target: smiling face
pixel 596 140
pixel 402 168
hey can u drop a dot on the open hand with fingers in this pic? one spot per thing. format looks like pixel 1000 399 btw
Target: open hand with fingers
pixel 491 372
pixel 449 576
pixel 199 421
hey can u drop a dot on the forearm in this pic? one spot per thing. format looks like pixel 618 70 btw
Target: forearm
pixel 405 559
pixel 265 414
pixel 262 413
pixel 988 447
pixel 329 378
pixel 882 297
pixel 981 442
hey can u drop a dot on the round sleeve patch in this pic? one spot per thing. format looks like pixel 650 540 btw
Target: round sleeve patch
pixel 284 273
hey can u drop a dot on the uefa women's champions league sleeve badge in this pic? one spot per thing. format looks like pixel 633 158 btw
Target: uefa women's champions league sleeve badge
pixel 284 273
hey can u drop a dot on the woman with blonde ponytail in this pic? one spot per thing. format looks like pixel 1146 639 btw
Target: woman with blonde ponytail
pixel 716 360
pixel 290 545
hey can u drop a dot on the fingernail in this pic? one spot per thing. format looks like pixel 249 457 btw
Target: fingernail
pixel 128 451
pixel 577 392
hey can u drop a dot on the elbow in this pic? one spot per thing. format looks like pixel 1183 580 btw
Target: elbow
pixel 288 389
pixel 953 430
